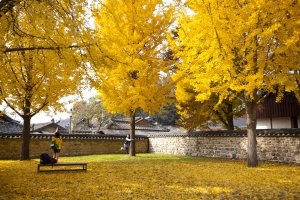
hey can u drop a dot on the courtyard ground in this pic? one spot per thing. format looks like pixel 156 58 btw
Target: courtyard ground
pixel 150 176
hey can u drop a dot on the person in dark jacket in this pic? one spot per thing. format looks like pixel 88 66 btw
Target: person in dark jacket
pixel 126 144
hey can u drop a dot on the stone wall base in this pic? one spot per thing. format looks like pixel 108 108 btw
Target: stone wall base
pixel 279 149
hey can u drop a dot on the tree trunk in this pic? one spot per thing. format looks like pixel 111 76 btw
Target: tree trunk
pixel 225 115
pixel 251 132
pixel 26 138
pixel 132 134
pixel 229 116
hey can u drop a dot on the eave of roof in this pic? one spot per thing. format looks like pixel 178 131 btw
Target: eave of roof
pixel 143 128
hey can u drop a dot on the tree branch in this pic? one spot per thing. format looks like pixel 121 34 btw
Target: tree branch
pixel 9 105
pixel 39 48
pixel 7 5
pixel 42 106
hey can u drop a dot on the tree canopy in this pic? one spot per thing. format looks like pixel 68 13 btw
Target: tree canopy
pixel 229 48
pixel 40 59
pixel 131 39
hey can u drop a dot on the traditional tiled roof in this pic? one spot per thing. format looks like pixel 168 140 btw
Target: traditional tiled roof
pixel 126 120
pixel 123 124
pixel 64 123
pixel 41 126
pixel 9 125
pixel 119 126
pixel 83 127
pixel 38 126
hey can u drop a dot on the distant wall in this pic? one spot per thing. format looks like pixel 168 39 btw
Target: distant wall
pixel 279 145
pixel 272 145
pixel 73 145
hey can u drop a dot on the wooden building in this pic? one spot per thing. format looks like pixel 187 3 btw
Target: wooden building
pixel 285 114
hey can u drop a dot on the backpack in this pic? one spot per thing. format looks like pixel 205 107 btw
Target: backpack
pixel 53 160
pixel 45 158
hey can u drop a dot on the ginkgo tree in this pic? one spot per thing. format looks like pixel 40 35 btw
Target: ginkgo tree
pixel 7 5
pixel 40 59
pixel 231 48
pixel 203 114
pixel 131 40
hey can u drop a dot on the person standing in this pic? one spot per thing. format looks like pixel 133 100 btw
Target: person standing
pixel 127 143
pixel 56 144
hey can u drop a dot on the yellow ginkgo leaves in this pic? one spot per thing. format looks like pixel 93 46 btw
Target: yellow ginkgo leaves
pixel 150 176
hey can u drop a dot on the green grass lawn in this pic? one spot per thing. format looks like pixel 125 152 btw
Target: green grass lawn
pixel 150 176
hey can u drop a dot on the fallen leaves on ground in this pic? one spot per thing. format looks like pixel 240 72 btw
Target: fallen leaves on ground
pixel 150 176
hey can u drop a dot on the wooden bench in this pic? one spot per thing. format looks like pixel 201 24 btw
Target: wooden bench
pixel 82 164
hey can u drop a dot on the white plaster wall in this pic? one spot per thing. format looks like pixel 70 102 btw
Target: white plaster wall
pixel 264 123
pixel 281 122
